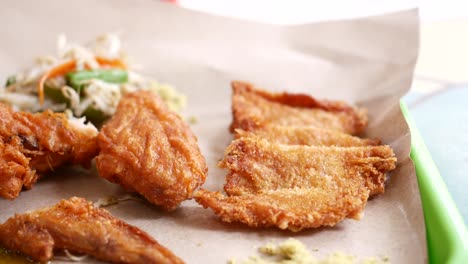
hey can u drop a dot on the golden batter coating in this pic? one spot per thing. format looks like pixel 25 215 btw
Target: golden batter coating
pixel 294 163
pixel 252 107
pixel 149 149
pixel 293 209
pixel 34 144
pixel 295 186
pixel 76 225
pixel 257 165
pixel 306 135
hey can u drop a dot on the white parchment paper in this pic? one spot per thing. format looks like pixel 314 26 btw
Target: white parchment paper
pixel 366 61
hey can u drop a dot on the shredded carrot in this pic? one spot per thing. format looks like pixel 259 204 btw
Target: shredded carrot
pixel 117 63
pixel 68 66
pixel 54 72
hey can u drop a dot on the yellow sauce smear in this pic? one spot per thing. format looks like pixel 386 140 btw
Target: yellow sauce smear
pixel 8 257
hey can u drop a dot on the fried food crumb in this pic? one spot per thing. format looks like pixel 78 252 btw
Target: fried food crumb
pixel 292 251
pixel 175 101
pixel 111 200
pixel 192 120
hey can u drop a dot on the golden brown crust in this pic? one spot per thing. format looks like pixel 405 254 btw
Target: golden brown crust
pixel 293 163
pixel 76 225
pixel 252 107
pixel 33 144
pixel 294 186
pixel 149 149
pixel 306 135
pixel 293 209
pixel 257 165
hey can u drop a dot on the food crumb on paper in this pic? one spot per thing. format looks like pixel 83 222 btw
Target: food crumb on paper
pixel 292 251
pixel 175 100
pixel 111 200
pixel 192 120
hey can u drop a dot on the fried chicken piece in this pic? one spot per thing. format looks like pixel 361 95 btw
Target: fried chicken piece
pixel 293 209
pixel 306 135
pixel 33 144
pixel 149 149
pixel 257 165
pixel 252 107
pixel 76 225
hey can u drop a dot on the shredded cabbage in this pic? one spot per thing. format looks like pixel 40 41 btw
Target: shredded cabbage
pixel 101 96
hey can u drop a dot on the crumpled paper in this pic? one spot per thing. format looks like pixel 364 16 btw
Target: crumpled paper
pixel 367 61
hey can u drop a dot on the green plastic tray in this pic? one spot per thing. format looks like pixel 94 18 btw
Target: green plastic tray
pixel 446 233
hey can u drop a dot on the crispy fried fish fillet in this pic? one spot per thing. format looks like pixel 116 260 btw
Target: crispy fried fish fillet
pixel 294 165
pixel 33 144
pixel 257 165
pixel 252 107
pixel 306 135
pixel 294 186
pixel 149 149
pixel 293 209
pixel 76 225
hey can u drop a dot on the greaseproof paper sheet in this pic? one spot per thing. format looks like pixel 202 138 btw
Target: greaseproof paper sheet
pixel 367 61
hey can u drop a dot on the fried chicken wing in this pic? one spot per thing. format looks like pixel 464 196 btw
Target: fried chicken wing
pixel 252 107
pixel 76 225
pixel 149 149
pixel 293 209
pixel 257 165
pixel 305 135
pixel 33 144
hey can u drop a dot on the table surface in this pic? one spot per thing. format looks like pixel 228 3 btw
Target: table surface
pixel 438 99
pixel 438 102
